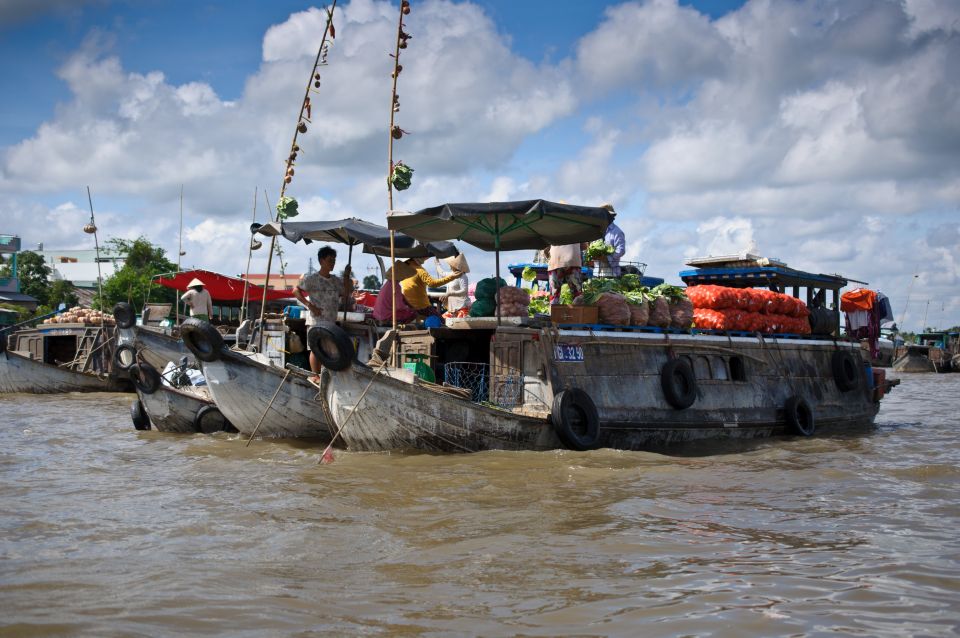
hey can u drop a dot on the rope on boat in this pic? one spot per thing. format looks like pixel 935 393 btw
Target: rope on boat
pixel 267 409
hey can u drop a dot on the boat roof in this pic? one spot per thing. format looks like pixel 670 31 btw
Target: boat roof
pixel 220 287
pixel 751 276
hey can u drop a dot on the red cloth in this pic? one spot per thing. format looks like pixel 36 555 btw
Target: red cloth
pixel 858 299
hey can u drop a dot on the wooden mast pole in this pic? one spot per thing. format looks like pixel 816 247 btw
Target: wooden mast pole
pixel 302 120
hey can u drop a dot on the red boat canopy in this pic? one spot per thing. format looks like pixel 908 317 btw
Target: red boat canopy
pixel 220 287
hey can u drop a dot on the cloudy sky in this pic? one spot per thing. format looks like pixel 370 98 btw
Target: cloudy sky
pixel 824 133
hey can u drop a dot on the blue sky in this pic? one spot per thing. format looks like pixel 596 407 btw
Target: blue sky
pixel 824 132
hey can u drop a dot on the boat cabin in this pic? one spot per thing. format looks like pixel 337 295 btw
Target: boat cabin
pixel 820 292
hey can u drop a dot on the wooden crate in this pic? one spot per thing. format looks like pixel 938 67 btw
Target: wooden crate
pixel 573 314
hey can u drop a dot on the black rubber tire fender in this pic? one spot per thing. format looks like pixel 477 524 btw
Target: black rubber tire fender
pixel 145 377
pixel 139 416
pixel 799 416
pixel 202 339
pixel 125 315
pixel 846 372
pixel 679 383
pixel 124 356
pixel 575 419
pixel 331 345
pixel 210 419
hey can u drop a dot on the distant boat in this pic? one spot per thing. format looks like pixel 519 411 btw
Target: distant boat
pixel 932 352
pixel 60 357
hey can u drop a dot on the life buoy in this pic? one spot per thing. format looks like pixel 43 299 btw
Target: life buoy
pixel 575 419
pixel 209 419
pixel 139 416
pixel 846 372
pixel 125 315
pixel 124 357
pixel 799 416
pixel 202 339
pixel 679 383
pixel 145 377
pixel 331 345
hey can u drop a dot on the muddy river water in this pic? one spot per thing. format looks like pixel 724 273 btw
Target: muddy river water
pixel 106 531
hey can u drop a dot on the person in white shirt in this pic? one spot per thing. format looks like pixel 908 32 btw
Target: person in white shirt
pixel 458 290
pixel 198 300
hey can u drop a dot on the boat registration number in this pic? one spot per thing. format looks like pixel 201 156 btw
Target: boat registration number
pixel 567 352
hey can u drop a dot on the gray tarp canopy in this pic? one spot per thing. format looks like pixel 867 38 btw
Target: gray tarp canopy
pixel 439 249
pixel 350 231
pixel 497 226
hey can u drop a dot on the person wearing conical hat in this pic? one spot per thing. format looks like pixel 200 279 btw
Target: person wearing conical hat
pixel 198 300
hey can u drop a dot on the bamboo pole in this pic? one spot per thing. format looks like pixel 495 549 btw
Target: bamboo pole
pixel 394 109
pixel 96 248
pixel 245 301
pixel 294 149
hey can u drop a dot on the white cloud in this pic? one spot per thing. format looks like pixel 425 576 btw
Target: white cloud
pixel 826 131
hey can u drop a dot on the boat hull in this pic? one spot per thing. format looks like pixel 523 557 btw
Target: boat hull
pixel 622 375
pixel 173 410
pixel 20 374
pixel 243 388
pixel 158 348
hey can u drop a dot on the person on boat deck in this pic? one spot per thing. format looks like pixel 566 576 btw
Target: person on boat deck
pixel 321 292
pixel 613 237
pixel 198 300
pixel 457 296
pixel 383 308
pixel 563 266
pixel 415 288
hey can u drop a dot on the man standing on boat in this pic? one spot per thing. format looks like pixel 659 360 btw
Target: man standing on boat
pixel 198 300
pixel 321 292
pixel 613 237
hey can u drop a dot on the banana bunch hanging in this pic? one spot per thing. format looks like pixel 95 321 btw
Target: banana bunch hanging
pixel 287 206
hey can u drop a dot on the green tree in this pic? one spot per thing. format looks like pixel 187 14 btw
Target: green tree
pixel 34 276
pixel 134 282
pixel 62 291
pixel 371 282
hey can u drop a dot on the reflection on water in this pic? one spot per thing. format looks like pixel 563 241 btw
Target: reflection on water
pixel 109 531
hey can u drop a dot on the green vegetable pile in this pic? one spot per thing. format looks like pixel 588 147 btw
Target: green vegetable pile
pixel 528 274
pixel 672 293
pixel 539 306
pixel 401 175
pixel 598 249
pixel 287 208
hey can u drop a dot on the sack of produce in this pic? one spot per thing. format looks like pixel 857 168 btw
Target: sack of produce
pixel 681 313
pixel 487 289
pixel 514 302
pixel 639 304
pixel 483 307
pixel 613 310
pixel 659 313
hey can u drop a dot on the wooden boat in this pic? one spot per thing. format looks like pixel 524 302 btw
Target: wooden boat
pixel 65 357
pixel 170 404
pixel 258 397
pixel 548 388
pixel 932 352
pixel 479 385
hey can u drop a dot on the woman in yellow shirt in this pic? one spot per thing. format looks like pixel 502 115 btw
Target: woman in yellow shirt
pixel 415 288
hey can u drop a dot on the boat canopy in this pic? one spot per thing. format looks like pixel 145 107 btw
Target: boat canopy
pixel 753 276
pixel 351 231
pixel 220 287
pixel 503 226
pixel 440 249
